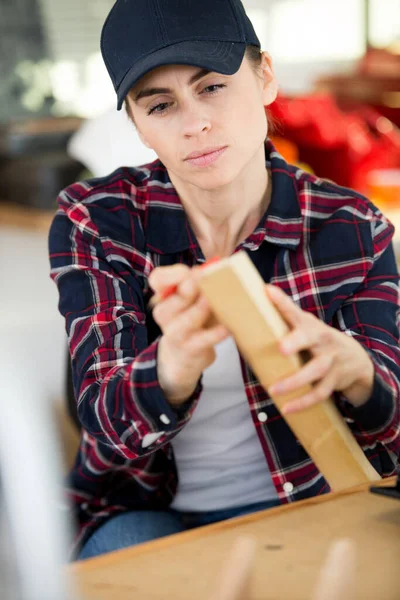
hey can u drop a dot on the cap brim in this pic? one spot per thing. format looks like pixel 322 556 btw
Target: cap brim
pixel 221 57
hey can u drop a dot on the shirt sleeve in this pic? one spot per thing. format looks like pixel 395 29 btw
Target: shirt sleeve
pixel 371 316
pixel 100 284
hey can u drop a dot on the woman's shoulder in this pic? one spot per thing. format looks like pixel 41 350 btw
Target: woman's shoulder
pixel 113 207
pixel 324 200
pixel 129 183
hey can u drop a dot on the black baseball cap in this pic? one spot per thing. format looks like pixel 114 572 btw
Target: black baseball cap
pixel 141 35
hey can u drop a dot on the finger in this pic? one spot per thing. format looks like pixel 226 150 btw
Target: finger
pixel 189 288
pixel 320 393
pixel 313 335
pixel 315 370
pixel 292 313
pixel 188 321
pixel 206 338
pixel 163 277
pixel 300 338
pixel 169 308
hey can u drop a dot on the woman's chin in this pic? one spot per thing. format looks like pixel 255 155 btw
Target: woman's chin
pixel 213 180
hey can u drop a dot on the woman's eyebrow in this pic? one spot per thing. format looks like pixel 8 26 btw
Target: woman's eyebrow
pixel 146 92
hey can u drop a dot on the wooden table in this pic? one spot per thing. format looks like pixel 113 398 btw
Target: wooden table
pixel 25 217
pixel 292 544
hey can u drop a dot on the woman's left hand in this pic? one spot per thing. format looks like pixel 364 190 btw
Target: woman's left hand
pixel 339 363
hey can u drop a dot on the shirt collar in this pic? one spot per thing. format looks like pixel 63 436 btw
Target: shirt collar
pixel 168 230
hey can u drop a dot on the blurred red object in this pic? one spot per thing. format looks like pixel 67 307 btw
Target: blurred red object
pixel 380 62
pixel 375 82
pixel 338 145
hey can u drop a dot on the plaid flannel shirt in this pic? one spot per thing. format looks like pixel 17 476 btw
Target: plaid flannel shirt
pixel 326 246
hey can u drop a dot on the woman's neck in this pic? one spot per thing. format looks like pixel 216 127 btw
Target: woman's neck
pixel 221 219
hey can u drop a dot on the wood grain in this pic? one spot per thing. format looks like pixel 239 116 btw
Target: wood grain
pixel 292 543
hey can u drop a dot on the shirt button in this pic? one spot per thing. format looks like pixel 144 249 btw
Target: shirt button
pixel 164 419
pixel 288 487
pixel 262 417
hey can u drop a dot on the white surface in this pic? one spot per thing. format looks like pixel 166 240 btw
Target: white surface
pixel 108 142
pixel 32 367
pixel 28 304
pixel 30 466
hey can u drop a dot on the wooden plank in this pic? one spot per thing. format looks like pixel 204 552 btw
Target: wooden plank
pixel 236 294
pixel 292 545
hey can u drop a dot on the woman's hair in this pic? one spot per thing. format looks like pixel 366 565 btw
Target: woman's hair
pixel 253 55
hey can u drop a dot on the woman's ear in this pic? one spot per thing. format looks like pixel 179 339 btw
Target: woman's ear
pixel 270 87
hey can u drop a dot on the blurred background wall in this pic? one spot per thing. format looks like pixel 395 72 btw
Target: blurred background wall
pixel 50 62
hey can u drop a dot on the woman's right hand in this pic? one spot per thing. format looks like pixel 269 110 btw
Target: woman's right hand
pixel 186 347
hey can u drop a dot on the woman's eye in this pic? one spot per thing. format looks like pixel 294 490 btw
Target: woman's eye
pixel 163 106
pixel 213 89
pixel 160 108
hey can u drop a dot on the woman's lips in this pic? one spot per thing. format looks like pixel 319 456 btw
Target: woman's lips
pixel 205 159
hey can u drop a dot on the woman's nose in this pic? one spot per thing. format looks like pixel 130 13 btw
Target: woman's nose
pixel 195 121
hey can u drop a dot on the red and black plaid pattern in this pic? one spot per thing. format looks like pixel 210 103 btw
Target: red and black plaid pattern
pixel 327 247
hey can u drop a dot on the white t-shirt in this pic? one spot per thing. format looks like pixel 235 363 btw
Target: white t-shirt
pixel 218 455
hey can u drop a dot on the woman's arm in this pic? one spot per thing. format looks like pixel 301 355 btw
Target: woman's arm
pixel 120 401
pixel 359 358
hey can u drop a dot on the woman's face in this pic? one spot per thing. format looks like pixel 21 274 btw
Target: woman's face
pixel 205 127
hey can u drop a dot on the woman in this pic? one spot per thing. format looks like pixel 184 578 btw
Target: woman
pixel 177 432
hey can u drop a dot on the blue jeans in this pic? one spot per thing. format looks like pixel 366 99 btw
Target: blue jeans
pixel 132 528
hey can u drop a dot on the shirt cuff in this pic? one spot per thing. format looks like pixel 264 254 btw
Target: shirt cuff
pixel 376 415
pixel 150 399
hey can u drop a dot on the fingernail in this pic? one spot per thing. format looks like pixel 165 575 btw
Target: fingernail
pixel 272 289
pixel 286 348
pixel 275 389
